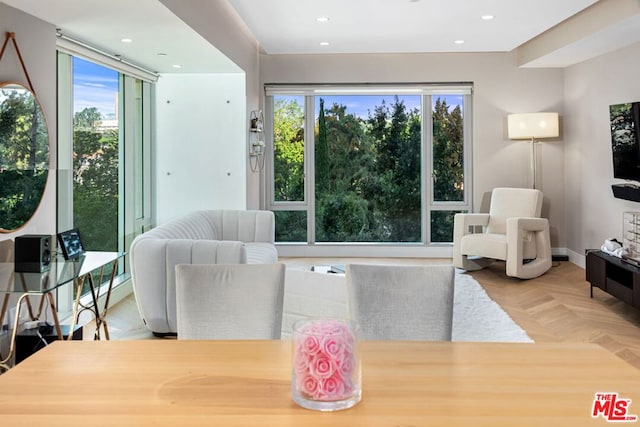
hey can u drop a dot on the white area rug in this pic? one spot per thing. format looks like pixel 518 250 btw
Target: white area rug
pixel 476 317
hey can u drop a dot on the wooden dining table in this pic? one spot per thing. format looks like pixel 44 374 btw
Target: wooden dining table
pixel 248 383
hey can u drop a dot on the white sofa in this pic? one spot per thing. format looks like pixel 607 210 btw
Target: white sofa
pixel 202 237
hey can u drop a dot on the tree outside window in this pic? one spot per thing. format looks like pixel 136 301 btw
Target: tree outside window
pixel 368 152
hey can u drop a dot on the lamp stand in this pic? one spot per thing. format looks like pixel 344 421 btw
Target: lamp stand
pixel 533 162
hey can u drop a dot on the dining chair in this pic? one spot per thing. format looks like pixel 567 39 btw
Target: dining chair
pixel 402 302
pixel 229 301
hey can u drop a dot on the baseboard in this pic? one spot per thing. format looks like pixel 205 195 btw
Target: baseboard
pixel 363 250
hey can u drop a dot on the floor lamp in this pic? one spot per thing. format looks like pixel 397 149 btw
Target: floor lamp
pixel 533 126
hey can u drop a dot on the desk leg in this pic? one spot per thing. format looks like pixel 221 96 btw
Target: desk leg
pixel 4 363
pixel 100 316
pixel 96 310
pixel 5 305
pixel 48 297
pixel 54 314
pixel 78 283
pixel 103 315
pixel 3 312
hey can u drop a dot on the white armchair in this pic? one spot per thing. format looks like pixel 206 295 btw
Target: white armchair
pixel 512 231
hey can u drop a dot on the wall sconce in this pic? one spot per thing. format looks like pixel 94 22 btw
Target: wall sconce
pixel 256 141
pixel 533 126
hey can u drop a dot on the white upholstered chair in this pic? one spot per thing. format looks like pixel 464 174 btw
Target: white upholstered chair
pixel 512 231
pixel 239 301
pixel 402 302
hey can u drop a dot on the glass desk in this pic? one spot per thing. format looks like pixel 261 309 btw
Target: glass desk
pixel 61 273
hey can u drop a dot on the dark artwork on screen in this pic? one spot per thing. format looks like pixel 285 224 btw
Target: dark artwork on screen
pixel 71 244
pixel 625 140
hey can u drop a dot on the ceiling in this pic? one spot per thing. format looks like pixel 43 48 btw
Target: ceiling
pixel 408 26
pixel 161 40
pixel 153 28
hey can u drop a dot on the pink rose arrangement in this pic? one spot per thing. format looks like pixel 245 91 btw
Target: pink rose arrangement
pixel 324 360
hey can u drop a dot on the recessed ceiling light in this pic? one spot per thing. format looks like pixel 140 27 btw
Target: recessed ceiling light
pixel 324 43
pixel 459 41
pixel 126 40
pixel 487 17
pixel 322 19
pixel 177 66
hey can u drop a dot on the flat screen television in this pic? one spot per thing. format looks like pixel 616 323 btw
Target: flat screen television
pixel 625 140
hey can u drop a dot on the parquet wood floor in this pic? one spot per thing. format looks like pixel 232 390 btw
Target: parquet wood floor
pixel 555 307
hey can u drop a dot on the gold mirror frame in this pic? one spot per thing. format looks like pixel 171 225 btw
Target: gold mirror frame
pixel 24 155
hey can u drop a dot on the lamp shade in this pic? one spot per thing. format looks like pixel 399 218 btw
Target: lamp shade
pixel 533 125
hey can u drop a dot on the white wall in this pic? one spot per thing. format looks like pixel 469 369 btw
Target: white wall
pixel 217 22
pixel 500 88
pixel 200 144
pixel 37 43
pixel 593 214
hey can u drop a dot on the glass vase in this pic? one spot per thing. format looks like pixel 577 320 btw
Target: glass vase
pixel 326 364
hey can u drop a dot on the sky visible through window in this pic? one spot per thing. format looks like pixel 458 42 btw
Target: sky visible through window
pixel 363 105
pixel 95 86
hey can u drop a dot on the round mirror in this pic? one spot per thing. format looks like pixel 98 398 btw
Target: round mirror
pixel 24 155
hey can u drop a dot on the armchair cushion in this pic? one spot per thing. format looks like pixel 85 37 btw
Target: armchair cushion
pixel 488 244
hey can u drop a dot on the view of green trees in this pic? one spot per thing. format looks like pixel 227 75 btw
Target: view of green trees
pixel 367 171
pixel 95 181
pixel 24 156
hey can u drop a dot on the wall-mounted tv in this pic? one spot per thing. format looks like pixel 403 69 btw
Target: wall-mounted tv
pixel 625 140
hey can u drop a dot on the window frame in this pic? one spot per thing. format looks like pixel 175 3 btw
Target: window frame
pixel 429 205
pixel 134 170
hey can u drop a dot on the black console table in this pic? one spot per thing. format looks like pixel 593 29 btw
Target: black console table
pixel 614 276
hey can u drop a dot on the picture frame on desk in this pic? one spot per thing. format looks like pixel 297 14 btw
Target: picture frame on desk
pixel 71 244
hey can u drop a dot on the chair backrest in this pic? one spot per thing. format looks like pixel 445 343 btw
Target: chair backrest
pixel 402 302
pixel 240 301
pixel 512 202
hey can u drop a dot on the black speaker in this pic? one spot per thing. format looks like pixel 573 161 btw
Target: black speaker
pixel 33 253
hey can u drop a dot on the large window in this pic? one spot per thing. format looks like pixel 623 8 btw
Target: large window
pixel 96 145
pixel 104 122
pixel 382 165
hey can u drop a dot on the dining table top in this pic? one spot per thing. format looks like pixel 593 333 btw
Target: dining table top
pixel 164 382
